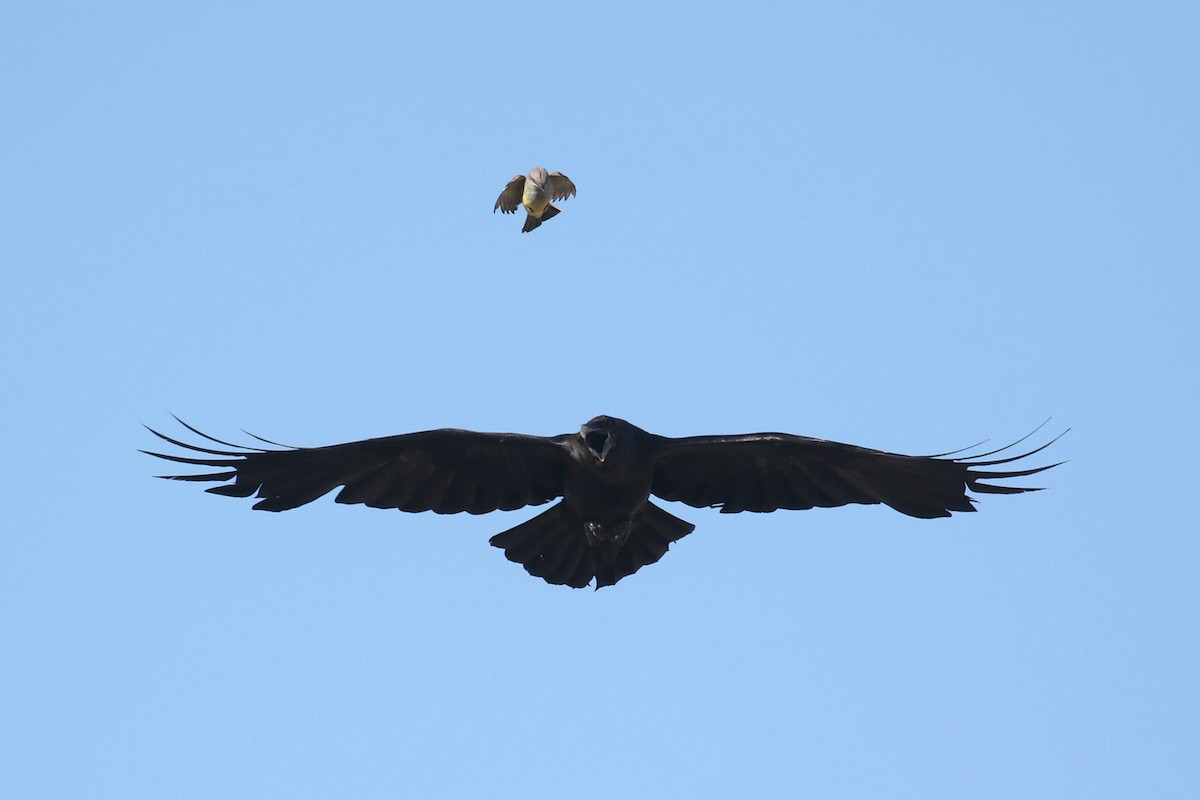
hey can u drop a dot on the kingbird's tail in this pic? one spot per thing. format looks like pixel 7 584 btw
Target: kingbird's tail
pixel 532 222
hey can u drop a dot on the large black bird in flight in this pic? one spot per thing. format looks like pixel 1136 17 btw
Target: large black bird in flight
pixel 605 528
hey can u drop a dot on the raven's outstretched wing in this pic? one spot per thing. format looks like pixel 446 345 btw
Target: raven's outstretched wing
pixel 447 471
pixel 768 471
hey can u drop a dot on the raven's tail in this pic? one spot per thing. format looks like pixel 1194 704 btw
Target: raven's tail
pixel 551 546
pixel 651 535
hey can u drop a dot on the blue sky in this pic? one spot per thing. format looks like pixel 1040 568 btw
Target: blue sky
pixel 910 228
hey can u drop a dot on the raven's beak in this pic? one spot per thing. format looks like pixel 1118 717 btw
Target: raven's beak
pixel 599 441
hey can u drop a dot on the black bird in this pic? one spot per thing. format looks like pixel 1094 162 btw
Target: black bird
pixel 605 528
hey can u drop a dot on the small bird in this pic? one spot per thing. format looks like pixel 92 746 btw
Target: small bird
pixel 535 192
pixel 605 528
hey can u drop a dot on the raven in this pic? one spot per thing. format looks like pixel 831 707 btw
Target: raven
pixel 605 528
pixel 535 192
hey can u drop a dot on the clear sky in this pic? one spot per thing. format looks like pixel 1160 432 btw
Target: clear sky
pixel 910 228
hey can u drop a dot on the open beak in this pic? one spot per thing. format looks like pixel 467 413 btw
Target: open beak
pixel 598 441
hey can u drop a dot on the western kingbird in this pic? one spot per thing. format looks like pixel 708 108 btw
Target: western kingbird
pixel 535 192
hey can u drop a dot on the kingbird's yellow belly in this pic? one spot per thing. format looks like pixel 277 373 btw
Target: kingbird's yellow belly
pixel 535 202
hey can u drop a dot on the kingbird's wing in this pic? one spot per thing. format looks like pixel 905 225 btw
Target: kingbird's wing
pixel 560 186
pixel 510 198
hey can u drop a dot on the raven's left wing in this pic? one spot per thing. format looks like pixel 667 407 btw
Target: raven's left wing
pixel 769 471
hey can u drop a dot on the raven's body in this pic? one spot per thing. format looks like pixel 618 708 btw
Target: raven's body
pixel 605 528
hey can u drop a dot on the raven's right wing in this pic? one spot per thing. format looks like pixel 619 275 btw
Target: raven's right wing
pixel 447 471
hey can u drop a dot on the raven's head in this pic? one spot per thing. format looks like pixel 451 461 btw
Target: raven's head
pixel 599 436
